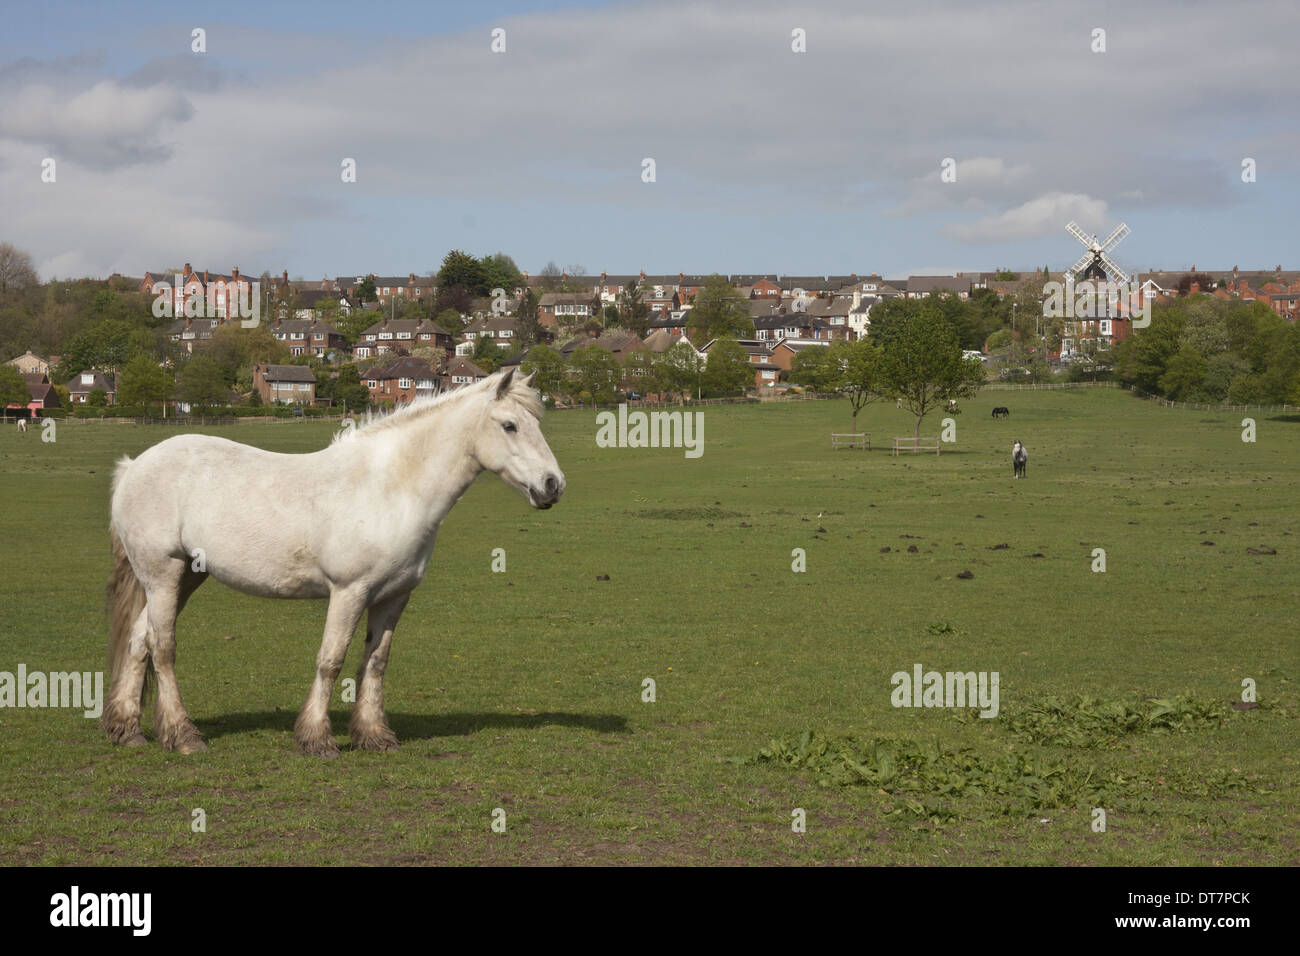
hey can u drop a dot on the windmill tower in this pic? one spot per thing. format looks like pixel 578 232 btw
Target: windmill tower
pixel 1095 263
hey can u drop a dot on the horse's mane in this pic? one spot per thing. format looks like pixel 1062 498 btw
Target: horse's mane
pixel 374 421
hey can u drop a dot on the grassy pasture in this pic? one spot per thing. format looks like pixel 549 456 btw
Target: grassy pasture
pixel 522 690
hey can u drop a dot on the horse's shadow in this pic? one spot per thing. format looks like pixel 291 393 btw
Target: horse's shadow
pixel 418 726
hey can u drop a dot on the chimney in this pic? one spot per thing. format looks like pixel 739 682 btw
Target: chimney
pixel 681 279
pixel 188 271
pixel 411 279
pixel 643 275
pixel 205 278
pixel 284 277
pixel 1234 272
pixel 234 275
pixel 1193 266
pixel 603 276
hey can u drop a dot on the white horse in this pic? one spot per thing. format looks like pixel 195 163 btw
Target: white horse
pixel 22 425
pixel 1019 461
pixel 304 526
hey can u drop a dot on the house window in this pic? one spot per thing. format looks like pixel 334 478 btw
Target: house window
pixel 371 383
pixel 403 335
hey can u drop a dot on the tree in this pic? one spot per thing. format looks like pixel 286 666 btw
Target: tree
pixel 354 323
pixel 1184 374
pixel 817 368
pixel 860 378
pixel 634 314
pixel 550 277
pixel 202 382
pixel 461 270
pixel 97 398
pixel 680 369
pixel 728 368
pixel 923 367
pixel 365 290
pixel 1005 275
pixel 17 274
pixel 13 387
pixel 528 324
pixel 641 371
pixel 144 382
pixel 487 354
pixel 349 391
pixel 596 372
pixel 549 366
pixel 500 272
pixel 451 320
pixel 720 311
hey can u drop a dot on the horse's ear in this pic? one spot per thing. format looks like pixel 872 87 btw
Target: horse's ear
pixel 527 381
pixel 503 386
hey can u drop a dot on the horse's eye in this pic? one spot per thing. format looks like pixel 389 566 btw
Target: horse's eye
pixel 510 427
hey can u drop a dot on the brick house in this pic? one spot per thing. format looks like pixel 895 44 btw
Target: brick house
pixel 389 335
pixel 288 384
pixel 458 373
pixel 80 386
pixel 216 294
pixel 402 382
pixel 188 333
pixel 566 308
pixel 309 336
pixel 42 394
pixel 29 363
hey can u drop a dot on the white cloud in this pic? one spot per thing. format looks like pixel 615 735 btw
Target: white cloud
pixel 1042 216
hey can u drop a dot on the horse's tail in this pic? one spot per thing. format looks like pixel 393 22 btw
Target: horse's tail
pixel 124 599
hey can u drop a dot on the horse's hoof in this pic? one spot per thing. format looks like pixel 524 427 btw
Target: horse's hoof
pixel 378 742
pixel 135 740
pixel 324 747
pixel 195 745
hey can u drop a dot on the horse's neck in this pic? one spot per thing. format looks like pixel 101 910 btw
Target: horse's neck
pixel 431 457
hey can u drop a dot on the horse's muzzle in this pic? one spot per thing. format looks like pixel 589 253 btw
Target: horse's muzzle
pixel 542 498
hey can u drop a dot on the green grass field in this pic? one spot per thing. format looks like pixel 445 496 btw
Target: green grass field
pixel 523 690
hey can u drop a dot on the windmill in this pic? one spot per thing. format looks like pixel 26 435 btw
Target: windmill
pixel 1095 263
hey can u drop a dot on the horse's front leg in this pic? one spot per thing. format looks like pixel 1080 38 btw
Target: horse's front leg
pixel 368 727
pixel 312 729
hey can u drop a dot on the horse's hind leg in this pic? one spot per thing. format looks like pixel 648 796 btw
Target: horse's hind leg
pixel 167 594
pixel 122 709
pixel 312 729
pixel 368 728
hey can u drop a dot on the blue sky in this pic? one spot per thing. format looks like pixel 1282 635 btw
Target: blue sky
pixel 766 160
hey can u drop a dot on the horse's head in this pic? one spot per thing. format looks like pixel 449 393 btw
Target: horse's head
pixel 509 440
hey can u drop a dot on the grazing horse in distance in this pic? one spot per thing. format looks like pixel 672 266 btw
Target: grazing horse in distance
pixel 1001 412
pixel 22 425
pixel 304 526
pixel 1019 460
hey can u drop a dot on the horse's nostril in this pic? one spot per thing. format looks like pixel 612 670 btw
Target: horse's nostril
pixel 551 485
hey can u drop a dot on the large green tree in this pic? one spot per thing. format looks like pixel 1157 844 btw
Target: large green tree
pixel 202 382
pixel 143 382
pixel 860 363
pixel 680 369
pixel 728 369
pixel 720 311
pixel 13 387
pixel 549 365
pixel 922 366
pixel 596 372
